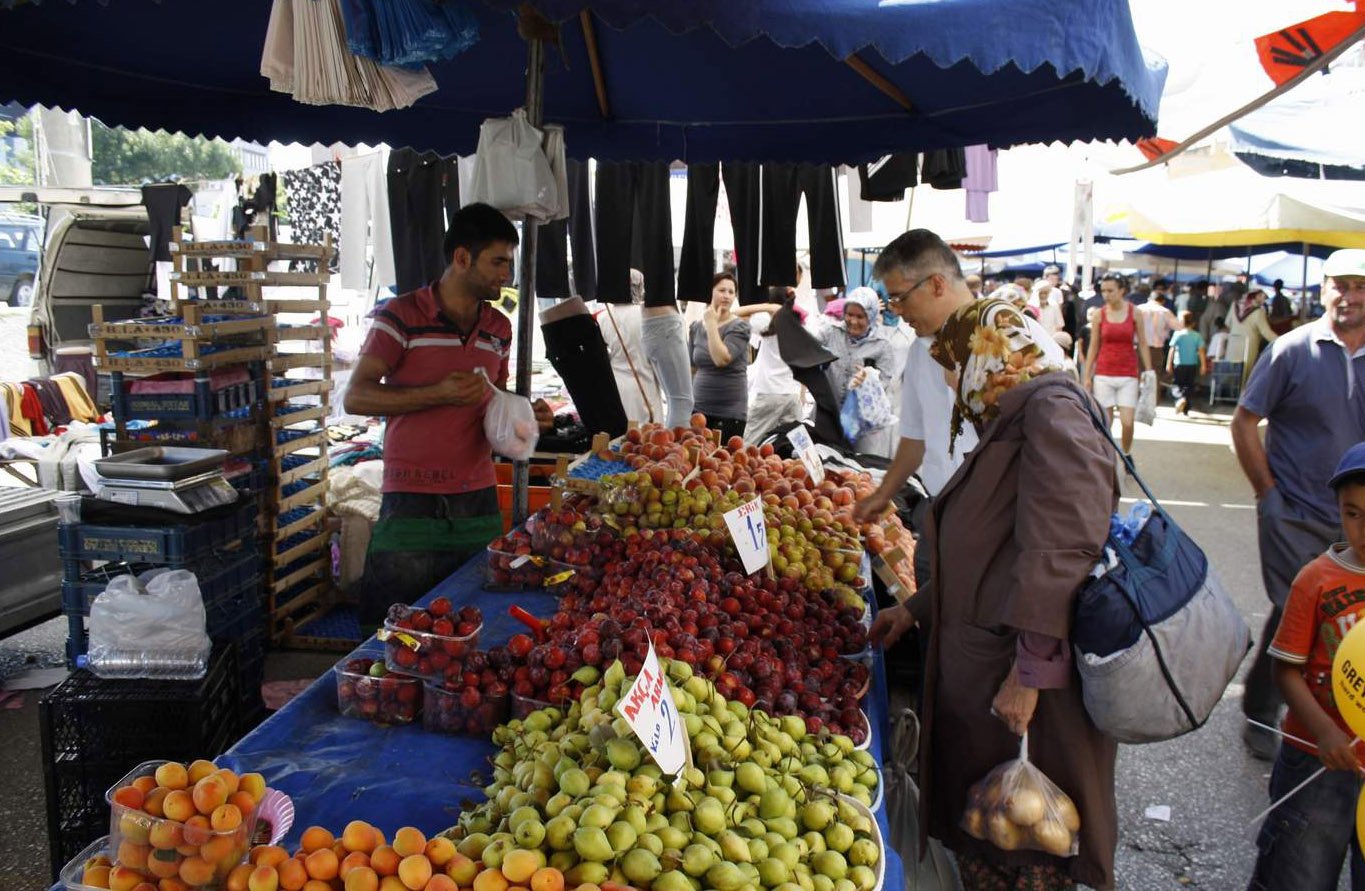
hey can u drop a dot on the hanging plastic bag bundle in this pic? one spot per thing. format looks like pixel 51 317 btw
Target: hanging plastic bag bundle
pixel 509 423
pixel 512 172
pixel 1017 808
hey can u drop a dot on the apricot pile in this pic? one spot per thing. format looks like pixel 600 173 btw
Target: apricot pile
pixel 178 828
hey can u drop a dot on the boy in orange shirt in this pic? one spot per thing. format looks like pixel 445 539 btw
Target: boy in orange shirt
pixel 1304 841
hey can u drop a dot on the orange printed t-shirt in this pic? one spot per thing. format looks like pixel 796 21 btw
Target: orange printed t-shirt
pixel 1326 600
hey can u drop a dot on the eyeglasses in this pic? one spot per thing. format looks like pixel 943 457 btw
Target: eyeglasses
pixel 893 299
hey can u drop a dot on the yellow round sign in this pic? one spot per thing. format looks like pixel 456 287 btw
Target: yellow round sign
pixel 1348 679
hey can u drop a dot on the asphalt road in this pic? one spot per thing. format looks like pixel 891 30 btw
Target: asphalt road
pixel 1211 786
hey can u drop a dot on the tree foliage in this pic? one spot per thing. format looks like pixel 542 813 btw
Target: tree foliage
pixel 129 157
pixel 19 169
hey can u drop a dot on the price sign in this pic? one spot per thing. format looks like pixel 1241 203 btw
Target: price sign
pixel 750 534
pixel 801 442
pixel 649 709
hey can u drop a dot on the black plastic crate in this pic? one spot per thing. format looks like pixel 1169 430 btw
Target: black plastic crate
pixel 174 545
pixel 94 731
pixel 221 576
pixel 203 403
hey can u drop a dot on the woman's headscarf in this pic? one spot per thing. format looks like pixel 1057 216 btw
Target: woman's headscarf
pixel 990 347
pixel 1248 303
pixel 871 304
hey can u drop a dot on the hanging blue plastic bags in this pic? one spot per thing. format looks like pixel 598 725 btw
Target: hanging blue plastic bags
pixel 408 33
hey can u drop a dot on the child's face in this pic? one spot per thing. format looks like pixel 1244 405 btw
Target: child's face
pixel 1351 500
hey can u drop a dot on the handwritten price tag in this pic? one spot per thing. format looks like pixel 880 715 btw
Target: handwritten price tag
pixel 649 709
pixel 750 534
pixel 801 442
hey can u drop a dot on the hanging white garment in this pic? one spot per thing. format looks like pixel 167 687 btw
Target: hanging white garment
pixel 365 222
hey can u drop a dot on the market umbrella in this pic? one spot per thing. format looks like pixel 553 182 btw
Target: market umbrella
pixel 762 80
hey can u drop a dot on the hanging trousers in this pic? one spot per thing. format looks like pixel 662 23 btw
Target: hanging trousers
pixel 697 263
pixel 744 193
pixel 783 187
pixel 577 351
pixel 560 237
pixel 416 212
pixel 633 203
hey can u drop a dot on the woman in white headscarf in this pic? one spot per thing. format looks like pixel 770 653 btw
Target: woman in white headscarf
pixel 858 344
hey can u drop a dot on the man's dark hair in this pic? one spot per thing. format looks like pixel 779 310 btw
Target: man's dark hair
pixel 1160 283
pixel 1200 284
pixel 921 250
pixel 1351 479
pixel 1278 284
pixel 476 226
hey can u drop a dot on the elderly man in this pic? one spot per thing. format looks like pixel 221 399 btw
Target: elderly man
pixel 1310 390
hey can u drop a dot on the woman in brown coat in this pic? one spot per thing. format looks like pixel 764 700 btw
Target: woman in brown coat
pixel 1015 532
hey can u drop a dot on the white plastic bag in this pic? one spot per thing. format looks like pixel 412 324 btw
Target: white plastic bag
pixel 511 171
pixel 509 423
pixel 1017 808
pixel 156 631
pixel 1146 407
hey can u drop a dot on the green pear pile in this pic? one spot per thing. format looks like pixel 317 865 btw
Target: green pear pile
pixel 757 811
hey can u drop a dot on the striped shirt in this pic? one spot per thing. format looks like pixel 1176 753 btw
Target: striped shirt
pixel 439 450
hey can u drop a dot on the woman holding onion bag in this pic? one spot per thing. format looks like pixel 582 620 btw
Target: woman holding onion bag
pixel 1009 550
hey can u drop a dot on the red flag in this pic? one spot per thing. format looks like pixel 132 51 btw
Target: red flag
pixel 1154 147
pixel 1285 53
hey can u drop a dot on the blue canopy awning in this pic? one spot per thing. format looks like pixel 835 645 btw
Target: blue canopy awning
pixel 700 80
pixel 1229 252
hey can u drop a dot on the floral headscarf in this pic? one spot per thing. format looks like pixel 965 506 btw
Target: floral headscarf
pixel 990 347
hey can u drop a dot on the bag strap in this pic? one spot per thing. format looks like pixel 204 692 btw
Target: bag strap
pixel 1129 558
pixel 625 351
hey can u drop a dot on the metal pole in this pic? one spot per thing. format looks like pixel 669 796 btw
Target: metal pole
pixel 1303 299
pixel 526 302
pixel 1175 276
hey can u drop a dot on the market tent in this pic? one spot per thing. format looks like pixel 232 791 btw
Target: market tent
pixel 1319 122
pixel 1288 268
pixel 794 80
pixel 1230 251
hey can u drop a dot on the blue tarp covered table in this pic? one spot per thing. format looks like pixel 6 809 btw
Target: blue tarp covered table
pixel 340 769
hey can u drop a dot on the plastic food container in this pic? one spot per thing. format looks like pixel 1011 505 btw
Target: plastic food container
pixel 464 711
pixel 392 699
pixel 159 847
pixel 421 653
pixel 514 572
pixel 524 705
pixel 73 874
pixel 561 578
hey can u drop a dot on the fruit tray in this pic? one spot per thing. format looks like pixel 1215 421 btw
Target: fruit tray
pixel 160 847
pixel 422 654
pixel 509 571
pixel 96 854
pixel 390 698
pixel 464 711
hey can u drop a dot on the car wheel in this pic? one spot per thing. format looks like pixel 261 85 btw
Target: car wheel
pixel 22 294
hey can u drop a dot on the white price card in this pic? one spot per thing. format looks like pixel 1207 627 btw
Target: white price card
pixel 801 442
pixel 750 534
pixel 649 709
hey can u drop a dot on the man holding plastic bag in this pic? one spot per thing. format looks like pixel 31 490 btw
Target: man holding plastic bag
pixel 434 362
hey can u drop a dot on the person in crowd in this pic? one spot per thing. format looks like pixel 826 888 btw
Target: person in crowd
pixel 1001 603
pixel 1304 842
pixel 1117 345
pixel 974 284
pixel 1280 305
pixel 1249 328
pixel 720 361
pixel 663 339
pixel 427 365
pixel 1023 283
pixel 1218 308
pixel 1051 310
pixel 1161 287
pixel 1158 324
pixel 1186 362
pixel 634 373
pixel 1218 347
pixel 774 395
pixel 1198 302
pixel 1309 391
pixel 857 345
pixel 1080 351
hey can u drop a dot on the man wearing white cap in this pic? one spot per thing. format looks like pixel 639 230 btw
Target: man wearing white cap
pixel 1310 388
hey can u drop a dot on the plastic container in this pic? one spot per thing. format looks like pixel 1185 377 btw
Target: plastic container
pixel 561 578
pixel 464 711
pixel 524 705
pixel 508 571
pixel 74 870
pixel 160 847
pixel 172 545
pixel 391 699
pixel 421 653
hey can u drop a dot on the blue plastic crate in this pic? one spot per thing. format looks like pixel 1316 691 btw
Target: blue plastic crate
pixel 340 623
pixel 174 545
pixel 202 404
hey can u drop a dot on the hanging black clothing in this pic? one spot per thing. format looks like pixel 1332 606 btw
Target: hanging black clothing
pixel 417 195
pixel 944 168
pixel 577 351
pixel 450 169
pixel 887 179
pixel 783 186
pixel 257 210
pixel 552 260
pixel 633 203
pixel 743 190
pixel 697 263
pixel 574 234
pixel 313 197
pixel 163 202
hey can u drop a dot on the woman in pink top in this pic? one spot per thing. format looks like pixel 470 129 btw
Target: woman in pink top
pixel 1117 344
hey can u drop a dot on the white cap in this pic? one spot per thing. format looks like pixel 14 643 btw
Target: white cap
pixel 1345 262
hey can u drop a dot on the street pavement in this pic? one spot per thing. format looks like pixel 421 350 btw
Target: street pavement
pixel 1211 786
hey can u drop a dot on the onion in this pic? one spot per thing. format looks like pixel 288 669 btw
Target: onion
pixel 974 823
pixel 1004 834
pixel 1053 837
pixel 1025 807
pixel 1066 810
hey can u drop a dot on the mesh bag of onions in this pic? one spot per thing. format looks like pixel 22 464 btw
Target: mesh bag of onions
pixel 1017 808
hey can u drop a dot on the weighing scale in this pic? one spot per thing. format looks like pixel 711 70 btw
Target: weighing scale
pixel 185 481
